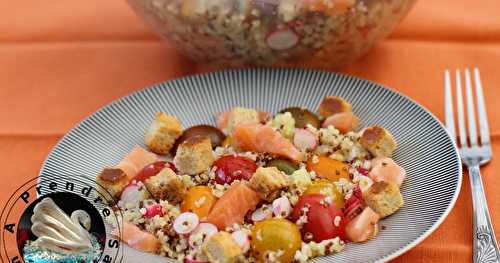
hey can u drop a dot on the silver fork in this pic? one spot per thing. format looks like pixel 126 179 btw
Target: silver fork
pixel 473 154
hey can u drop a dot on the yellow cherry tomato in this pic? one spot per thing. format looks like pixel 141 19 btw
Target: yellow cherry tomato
pixel 199 200
pixel 326 188
pixel 328 168
pixel 276 234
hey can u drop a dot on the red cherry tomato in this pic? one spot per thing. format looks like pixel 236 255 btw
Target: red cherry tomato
pixel 321 218
pixel 230 168
pixel 153 169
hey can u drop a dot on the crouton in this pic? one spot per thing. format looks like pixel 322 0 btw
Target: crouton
pixel 166 185
pixel 194 155
pixel 332 104
pixel 241 115
pixel 268 181
pixel 112 181
pixel 384 198
pixel 222 248
pixel 161 135
pixel 378 141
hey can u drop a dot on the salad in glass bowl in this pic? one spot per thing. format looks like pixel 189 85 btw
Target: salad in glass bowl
pixel 307 33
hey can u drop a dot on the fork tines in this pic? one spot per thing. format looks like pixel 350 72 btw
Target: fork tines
pixel 470 139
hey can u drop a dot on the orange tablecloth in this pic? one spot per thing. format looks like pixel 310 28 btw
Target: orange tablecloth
pixel 61 60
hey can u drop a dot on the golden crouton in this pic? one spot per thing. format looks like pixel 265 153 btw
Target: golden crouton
pixel 194 155
pixel 221 248
pixel 162 133
pixel 332 104
pixel 166 185
pixel 111 181
pixel 268 181
pixel 384 198
pixel 240 115
pixel 378 141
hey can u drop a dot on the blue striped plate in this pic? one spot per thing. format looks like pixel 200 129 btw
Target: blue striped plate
pixel 425 149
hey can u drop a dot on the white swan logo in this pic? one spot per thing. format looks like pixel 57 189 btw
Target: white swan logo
pixel 56 231
pixel 60 218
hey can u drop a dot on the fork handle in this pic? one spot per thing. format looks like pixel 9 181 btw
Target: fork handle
pixel 485 244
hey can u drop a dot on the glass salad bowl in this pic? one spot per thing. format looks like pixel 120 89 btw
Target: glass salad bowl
pixel 278 33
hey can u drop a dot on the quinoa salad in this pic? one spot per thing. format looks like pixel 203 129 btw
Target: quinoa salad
pixel 273 32
pixel 259 187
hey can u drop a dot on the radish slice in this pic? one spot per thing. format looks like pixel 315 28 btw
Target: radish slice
pixel 282 39
pixel 131 194
pixel 363 171
pixel 263 213
pixel 282 207
pixel 305 139
pixel 201 233
pixel 241 237
pixel 151 211
pixel 185 223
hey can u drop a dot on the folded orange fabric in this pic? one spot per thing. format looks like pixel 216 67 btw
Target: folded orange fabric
pixel 61 61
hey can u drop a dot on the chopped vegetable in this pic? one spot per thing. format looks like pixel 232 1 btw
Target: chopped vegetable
pixel 328 168
pixel 199 200
pixel 276 235
pixel 283 165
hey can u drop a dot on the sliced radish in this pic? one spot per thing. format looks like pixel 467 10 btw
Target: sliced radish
pixel 305 139
pixel 185 223
pixel 282 207
pixel 205 230
pixel 263 213
pixel 241 237
pixel 131 194
pixel 363 171
pixel 282 38
pixel 151 211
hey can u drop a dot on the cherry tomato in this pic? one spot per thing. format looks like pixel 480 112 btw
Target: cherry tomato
pixel 328 168
pixel 215 135
pixel 153 169
pixel 326 188
pixel 199 200
pixel 230 168
pixel 324 220
pixel 273 235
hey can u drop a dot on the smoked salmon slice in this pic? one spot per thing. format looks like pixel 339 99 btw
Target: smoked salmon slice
pixel 262 138
pixel 232 207
pixel 136 238
pixel 344 121
pixel 135 160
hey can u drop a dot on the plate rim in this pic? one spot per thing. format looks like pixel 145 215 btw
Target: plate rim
pixel 385 258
